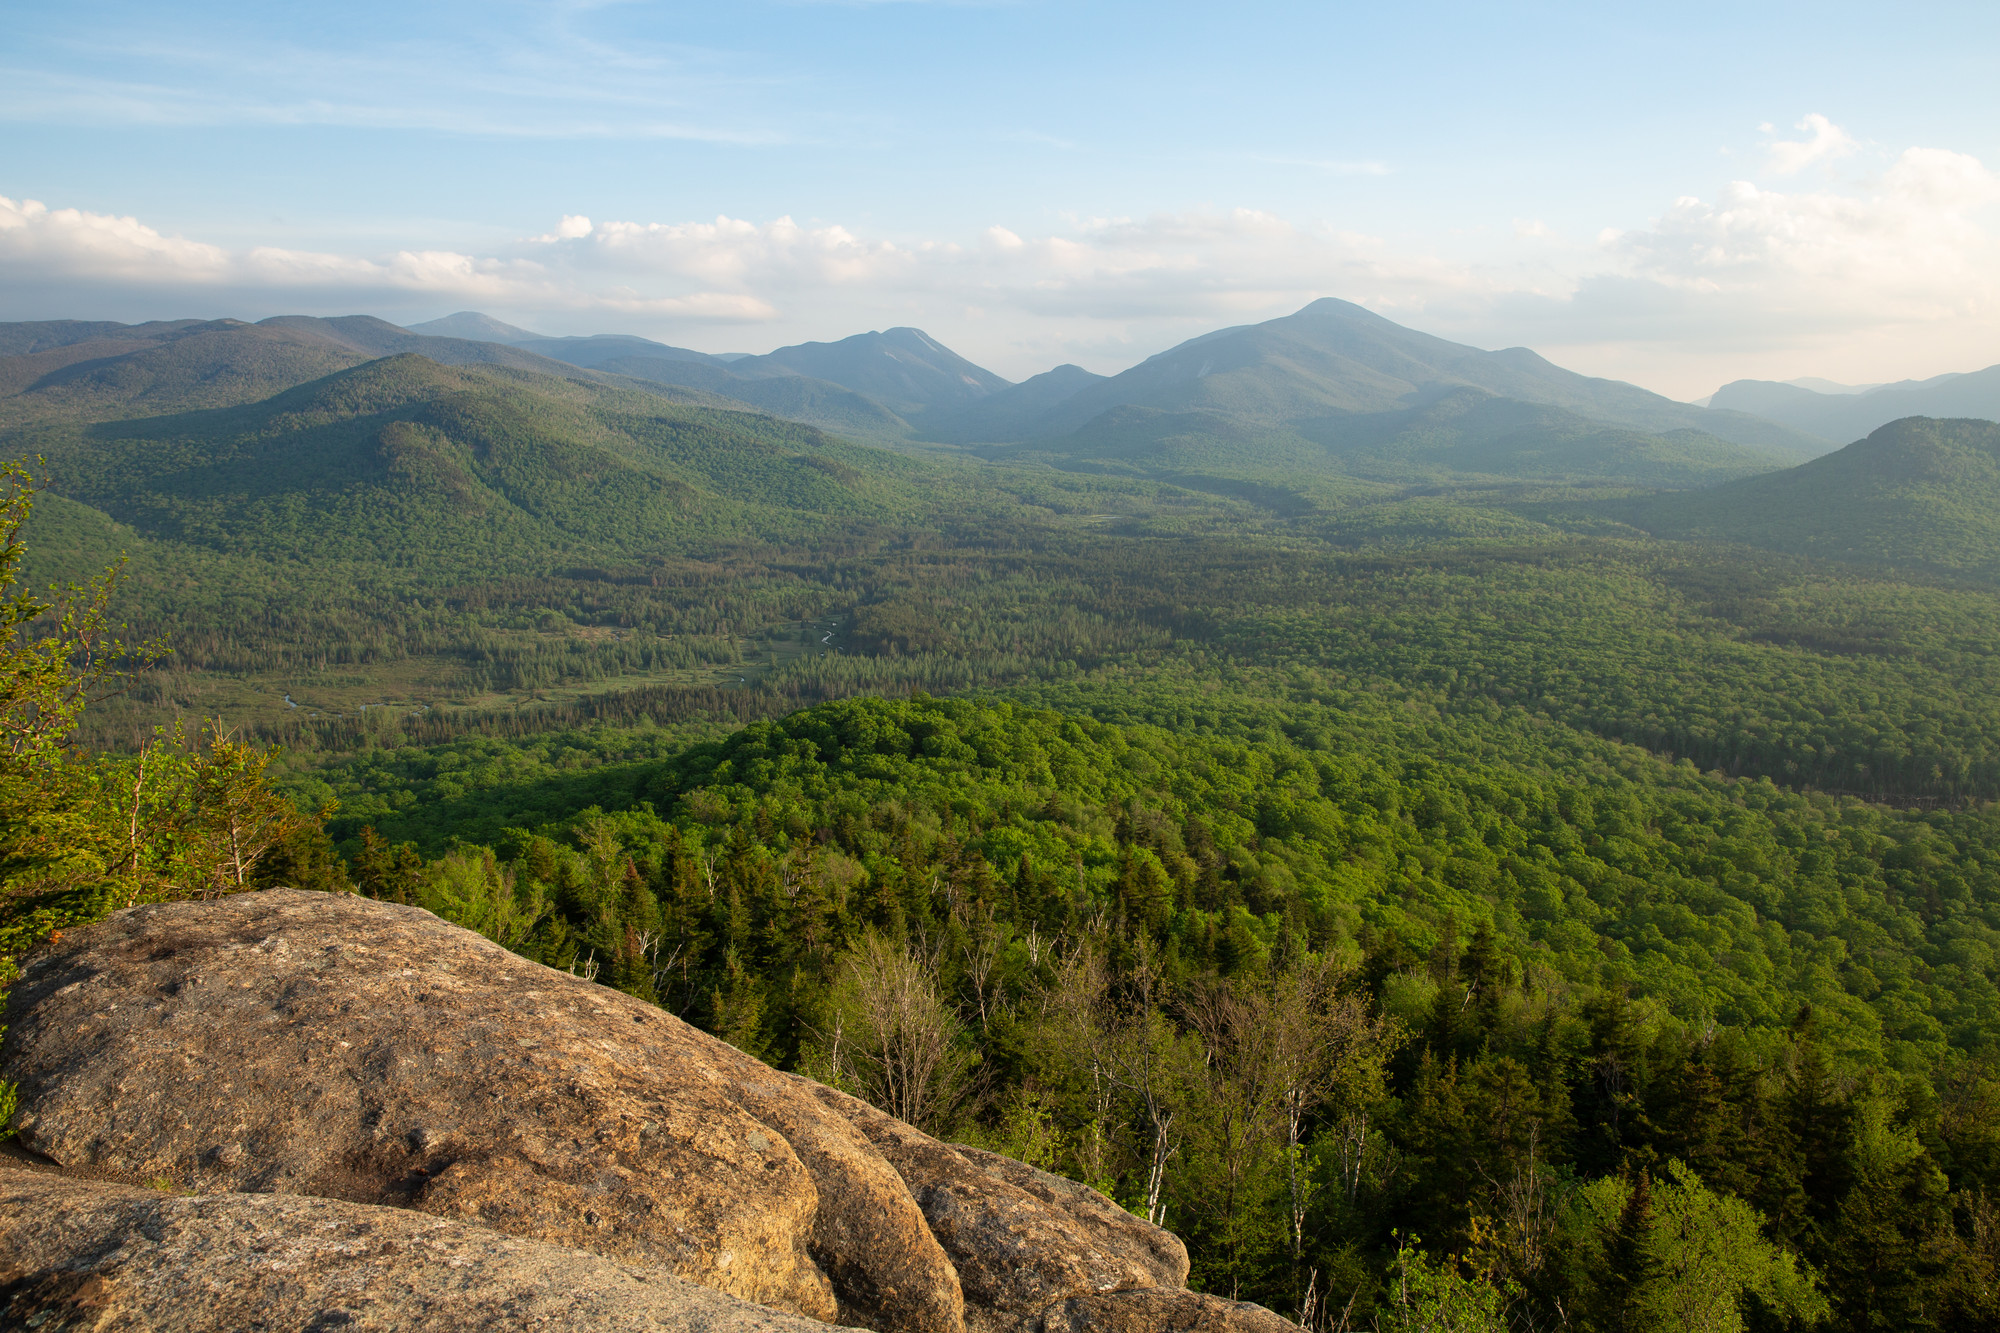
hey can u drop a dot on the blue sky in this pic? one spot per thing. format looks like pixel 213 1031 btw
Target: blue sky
pixel 1677 195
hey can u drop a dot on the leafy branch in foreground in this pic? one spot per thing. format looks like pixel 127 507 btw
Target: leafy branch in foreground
pixel 83 834
pixel 47 679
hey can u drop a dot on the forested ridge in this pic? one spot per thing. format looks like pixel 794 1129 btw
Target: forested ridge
pixel 1446 905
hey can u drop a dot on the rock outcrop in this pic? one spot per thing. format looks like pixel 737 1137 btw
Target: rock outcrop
pixel 1018 1250
pixel 88 1255
pixel 295 1043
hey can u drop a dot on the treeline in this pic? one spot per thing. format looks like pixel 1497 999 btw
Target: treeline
pixel 1379 1036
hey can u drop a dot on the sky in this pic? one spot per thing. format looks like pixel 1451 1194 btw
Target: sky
pixel 1674 195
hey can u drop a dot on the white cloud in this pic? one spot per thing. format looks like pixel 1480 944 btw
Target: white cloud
pixel 53 254
pixel 1112 287
pixel 1914 247
pixel 1825 140
pixel 1897 276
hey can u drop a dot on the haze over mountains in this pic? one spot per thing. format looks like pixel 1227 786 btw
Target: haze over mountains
pixel 1333 387
pixel 1841 413
pixel 1331 355
pixel 546 436
pixel 75 370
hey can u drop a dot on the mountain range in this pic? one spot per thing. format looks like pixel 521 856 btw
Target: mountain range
pixel 1841 413
pixel 72 370
pixel 1329 388
pixel 903 370
pixel 1332 390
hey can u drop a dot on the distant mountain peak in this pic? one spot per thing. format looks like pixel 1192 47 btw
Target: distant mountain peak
pixel 1334 356
pixel 475 326
pixel 903 368
pixel 1333 305
pixel 1818 385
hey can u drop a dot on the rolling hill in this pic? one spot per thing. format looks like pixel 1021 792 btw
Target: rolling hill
pixel 1849 416
pixel 171 368
pixel 85 372
pixel 1920 492
pixel 901 371
pixel 777 392
pixel 476 467
pixel 28 337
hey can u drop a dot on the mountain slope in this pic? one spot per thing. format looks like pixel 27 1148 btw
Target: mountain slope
pixel 1334 356
pixel 597 349
pixel 1849 416
pixel 30 336
pixel 794 397
pixel 904 369
pixel 1469 432
pixel 471 324
pixel 1920 491
pixel 455 467
pixel 377 337
pixel 216 363
pixel 1465 435
pixel 801 398
pixel 1010 413
pixel 92 372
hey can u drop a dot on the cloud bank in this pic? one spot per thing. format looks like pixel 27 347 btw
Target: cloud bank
pixel 1874 277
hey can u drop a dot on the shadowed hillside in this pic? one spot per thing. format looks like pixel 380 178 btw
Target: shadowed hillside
pixel 1920 492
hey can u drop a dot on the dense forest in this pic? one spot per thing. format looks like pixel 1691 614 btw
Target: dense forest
pixel 1467 904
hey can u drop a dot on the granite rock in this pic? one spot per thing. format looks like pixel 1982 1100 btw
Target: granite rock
pixel 283 1052
pixel 111 1258
pixel 308 1043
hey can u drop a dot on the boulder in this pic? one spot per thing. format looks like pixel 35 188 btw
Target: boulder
pixel 1160 1311
pixel 310 1043
pixel 1017 1251
pixel 300 1043
pixel 90 1255
pixel 1040 1254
